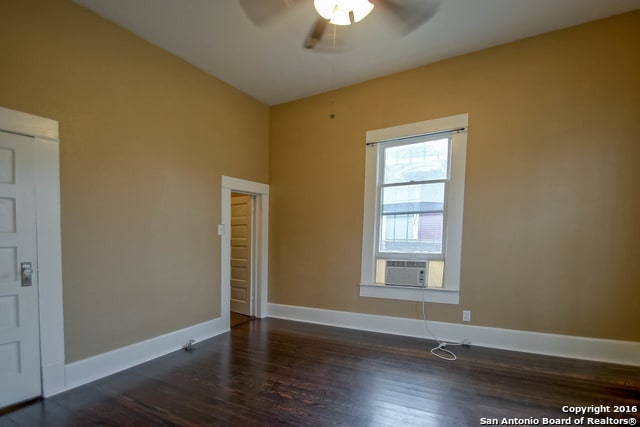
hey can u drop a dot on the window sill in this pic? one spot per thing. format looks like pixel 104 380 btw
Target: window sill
pixel 408 293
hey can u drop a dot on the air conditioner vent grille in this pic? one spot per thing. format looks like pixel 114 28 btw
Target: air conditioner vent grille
pixel 416 264
pixel 405 273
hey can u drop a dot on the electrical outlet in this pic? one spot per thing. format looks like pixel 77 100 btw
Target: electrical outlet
pixel 466 315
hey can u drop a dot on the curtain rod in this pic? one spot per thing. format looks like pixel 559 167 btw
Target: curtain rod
pixel 440 132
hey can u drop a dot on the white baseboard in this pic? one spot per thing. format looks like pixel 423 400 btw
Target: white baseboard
pixel 102 365
pixel 602 350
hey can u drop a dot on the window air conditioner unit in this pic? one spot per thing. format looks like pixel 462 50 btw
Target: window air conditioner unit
pixel 405 273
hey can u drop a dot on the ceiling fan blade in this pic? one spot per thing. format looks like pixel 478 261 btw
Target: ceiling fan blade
pixel 399 12
pixel 260 12
pixel 410 15
pixel 316 33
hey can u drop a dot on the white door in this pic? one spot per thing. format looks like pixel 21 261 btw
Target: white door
pixel 241 254
pixel 19 331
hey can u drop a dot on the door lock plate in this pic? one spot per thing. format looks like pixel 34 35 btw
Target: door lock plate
pixel 26 273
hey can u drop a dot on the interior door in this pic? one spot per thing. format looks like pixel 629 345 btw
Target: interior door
pixel 19 331
pixel 241 253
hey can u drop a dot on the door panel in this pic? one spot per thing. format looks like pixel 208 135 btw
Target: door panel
pixel 241 254
pixel 19 331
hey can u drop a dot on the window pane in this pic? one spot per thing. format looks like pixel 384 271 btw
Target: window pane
pixel 413 198
pixel 435 278
pixel 421 161
pixel 411 233
pixel 381 268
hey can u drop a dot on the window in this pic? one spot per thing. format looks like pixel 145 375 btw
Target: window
pixel 414 192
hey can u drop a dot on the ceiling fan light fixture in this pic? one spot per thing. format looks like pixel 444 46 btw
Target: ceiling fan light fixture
pixel 338 11
pixel 340 17
pixel 361 8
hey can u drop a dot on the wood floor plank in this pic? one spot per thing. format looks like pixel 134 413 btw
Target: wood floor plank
pixel 276 372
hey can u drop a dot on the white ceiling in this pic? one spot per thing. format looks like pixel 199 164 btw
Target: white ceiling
pixel 269 63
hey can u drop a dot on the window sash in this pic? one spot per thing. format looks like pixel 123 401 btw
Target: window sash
pixel 381 189
pixel 405 238
pixel 379 214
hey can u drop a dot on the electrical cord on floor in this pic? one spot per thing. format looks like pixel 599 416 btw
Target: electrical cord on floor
pixel 440 350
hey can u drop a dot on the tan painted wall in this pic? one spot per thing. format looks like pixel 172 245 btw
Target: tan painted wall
pixel 552 204
pixel 145 140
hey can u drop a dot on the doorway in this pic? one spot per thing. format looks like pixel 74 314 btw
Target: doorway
pixel 31 274
pixel 244 254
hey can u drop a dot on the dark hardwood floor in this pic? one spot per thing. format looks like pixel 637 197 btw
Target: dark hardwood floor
pixel 239 319
pixel 276 372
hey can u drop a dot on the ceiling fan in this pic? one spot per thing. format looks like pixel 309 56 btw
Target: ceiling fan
pixel 406 15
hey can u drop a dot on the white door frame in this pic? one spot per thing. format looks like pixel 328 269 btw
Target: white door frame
pixel 46 143
pixel 260 241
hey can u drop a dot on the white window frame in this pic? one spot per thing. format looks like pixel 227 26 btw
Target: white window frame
pixel 450 292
